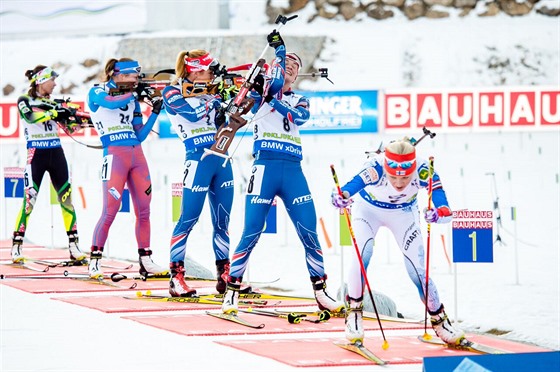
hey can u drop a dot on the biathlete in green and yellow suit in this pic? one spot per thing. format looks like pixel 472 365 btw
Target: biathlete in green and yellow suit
pixel 40 115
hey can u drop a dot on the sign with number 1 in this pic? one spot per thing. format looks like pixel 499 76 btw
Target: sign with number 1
pixel 472 236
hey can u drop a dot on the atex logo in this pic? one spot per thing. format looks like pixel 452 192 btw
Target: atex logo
pixel 302 199
pixel 227 184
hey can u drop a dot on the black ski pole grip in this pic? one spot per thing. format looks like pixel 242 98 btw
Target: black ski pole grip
pixel 324 316
pixel 283 19
pixel 294 319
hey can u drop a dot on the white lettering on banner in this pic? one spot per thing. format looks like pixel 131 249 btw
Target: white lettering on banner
pixel 10 123
pixel 460 109
pixel 337 105
pixel 491 109
pixel 430 113
pixel 397 111
pixel 521 111
pixel 332 122
pixel 500 108
pixel 550 103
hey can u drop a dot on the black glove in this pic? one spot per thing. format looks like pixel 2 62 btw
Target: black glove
pixel 143 90
pixel 274 39
pixel 258 84
pixel 268 98
pixel 63 114
pixel 157 102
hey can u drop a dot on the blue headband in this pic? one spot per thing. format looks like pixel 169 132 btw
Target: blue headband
pixel 128 67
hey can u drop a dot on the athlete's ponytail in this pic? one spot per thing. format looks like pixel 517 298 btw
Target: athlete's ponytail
pixel 29 74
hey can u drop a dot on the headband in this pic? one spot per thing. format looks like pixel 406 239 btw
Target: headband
pixel 294 57
pixel 127 67
pixel 399 164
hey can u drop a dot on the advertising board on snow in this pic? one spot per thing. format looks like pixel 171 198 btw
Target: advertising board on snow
pixel 499 108
pixel 331 112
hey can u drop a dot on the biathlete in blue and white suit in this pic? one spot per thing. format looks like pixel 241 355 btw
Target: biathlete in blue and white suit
pixel 194 114
pixel 385 193
pixel 117 118
pixel 277 172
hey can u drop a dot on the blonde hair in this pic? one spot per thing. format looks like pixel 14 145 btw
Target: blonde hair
pixel 110 67
pixel 180 70
pixel 401 147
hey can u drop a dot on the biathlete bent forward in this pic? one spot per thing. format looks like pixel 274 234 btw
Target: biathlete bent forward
pixel 41 116
pixel 386 195
pixel 277 172
pixel 195 115
pixel 117 118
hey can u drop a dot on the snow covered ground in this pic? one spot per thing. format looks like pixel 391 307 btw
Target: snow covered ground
pixel 518 293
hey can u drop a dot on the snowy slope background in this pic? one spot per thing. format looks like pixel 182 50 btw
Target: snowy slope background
pixel 518 294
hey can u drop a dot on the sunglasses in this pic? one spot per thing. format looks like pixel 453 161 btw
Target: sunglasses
pixel 128 67
pixel 403 165
pixel 44 75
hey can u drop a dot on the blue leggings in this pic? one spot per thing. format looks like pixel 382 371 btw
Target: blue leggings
pixel 201 178
pixel 285 179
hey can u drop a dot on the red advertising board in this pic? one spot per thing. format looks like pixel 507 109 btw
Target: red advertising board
pixel 493 108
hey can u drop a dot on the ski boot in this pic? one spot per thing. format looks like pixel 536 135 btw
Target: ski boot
pixel 354 324
pixel 222 271
pixel 148 266
pixel 324 300
pixel 17 254
pixel 231 298
pixel 75 253
pixel 177 285
pixel 94 267
pixel 443 328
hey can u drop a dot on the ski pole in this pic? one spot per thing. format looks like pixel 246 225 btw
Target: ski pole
pixel 430 189
pixel 362 268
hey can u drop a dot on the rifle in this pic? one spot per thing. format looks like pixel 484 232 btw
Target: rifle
pixel 240 104
pixel 71 117
pixel 69 113
pixel 145 88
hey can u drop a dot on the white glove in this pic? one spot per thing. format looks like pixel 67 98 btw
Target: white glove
pixel 438 215
pixel 341 201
